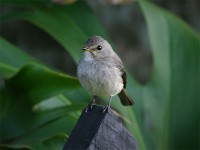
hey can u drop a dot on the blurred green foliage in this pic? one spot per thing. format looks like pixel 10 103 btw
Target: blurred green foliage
pixel 40 105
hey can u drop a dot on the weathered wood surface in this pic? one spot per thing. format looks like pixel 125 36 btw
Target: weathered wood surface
pixel 98 130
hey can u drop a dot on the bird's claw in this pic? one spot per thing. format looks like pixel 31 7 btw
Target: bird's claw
pixel 90 106
pixel 106 108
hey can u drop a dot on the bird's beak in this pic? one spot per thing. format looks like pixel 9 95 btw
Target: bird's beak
pixel 86 49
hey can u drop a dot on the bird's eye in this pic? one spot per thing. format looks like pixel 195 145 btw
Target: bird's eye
pixel 99 47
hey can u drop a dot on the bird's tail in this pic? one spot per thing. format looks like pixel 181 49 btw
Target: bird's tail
pixel 124 98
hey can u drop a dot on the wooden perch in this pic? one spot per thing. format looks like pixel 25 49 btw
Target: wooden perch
pixel 98 130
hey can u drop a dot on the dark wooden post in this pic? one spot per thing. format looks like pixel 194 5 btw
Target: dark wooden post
pixel 98 130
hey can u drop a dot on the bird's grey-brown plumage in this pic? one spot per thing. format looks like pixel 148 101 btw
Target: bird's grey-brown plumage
pixel 101 72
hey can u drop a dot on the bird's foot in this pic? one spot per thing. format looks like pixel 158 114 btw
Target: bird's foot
pixel 89 107
pixel 106 108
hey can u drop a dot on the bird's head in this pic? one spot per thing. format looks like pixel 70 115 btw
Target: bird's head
pixel 97 47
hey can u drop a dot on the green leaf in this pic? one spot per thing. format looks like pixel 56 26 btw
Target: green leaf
pixel 36 82
pixel 37 139
pixel 22 126
pixel 29 86
pixel 11 58
pixel 16 121
pixel 171 97
pixel 68 24
pixel 55 143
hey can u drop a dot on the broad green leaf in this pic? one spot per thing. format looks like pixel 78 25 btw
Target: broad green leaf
pixel 36 82
pixel 29 86
pixel 55 143
pixel 171 97
pixel 22 118
pixel 11 58
pixel 52 102
pixel 68 24
pixel 21 126
pixel 38 139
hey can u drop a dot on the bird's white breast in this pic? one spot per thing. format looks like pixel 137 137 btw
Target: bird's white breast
pixel 99 77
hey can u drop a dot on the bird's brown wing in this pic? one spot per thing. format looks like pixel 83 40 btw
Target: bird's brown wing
pixel 119 65
pixel 124 77
pixel 124 98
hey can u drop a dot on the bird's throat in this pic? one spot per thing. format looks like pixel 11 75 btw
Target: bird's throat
pixel 88 56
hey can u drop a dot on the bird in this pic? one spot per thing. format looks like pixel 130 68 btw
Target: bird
pixel 101 72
